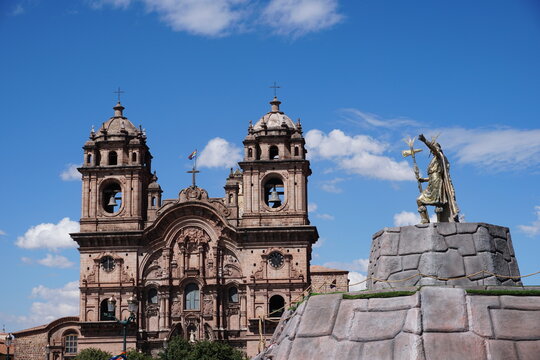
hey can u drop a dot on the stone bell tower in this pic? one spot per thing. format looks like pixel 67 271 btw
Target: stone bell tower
pixel 275 171
pixel 116 173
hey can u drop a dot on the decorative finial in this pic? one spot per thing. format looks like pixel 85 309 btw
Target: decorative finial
pixel 118 110
pixel 118 92
pixel 299 125
pixel 275 104
pixel 275 87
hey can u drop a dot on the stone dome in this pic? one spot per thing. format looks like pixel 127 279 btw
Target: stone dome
pixel 275 119
pixel 118 124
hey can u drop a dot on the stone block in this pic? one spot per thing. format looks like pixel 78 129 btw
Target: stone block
pixel 410 262
pixel 413 321
pixel 348 350
pixel 474 264
pixel 374 326
pixel 319 315
pixel 516 324
pixel 443 309
pixel 497 231
pixel 411 276
pixel 464 243
pixel 528 350
pixel 454 346
pixel 520 302
pixel 479 315
pixel 501 350
pixel 446 229
pixel 500 266
pixel 387 265
pixel 408 347
pixel 444 265
pixel 380 350
pixel 483 240
pixel 414 240
pixel 467 228
pixel 282 351
pixel 395 303
pixel 319 348
pixel 345 315
pixel 388 243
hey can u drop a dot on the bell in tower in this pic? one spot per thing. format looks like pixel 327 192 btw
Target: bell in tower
pixel 116 175
pixel 275 171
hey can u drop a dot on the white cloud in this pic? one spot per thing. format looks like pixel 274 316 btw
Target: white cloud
pixel 355 265
pixel 405 218
pixel 354 279
pixel 312 207
pixel 71 173
pixel 359 154
pixel 57 261
pixel 299 17
pixel 49 236
pixel 373 120
pixel 319 243
pixel 219 153
pixel 534 228
pixel 2 233
pixel 18 10
pixel 325 216
pixel 212 18
pixel 50 305
pixel 331 185
pixel 503 149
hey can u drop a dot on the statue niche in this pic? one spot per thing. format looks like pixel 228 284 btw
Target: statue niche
pixel 193 245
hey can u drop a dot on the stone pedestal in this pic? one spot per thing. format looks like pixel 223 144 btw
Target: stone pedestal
pixel 442 250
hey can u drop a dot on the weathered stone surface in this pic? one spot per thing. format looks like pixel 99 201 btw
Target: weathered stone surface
pixel 497 231
pixel 501 350
pixel 520 302
pixel 479 315
pixel 282 351
pixel 397 303
pixel 464 243
pixel 413 321
pixel 408 347
pixel 409 277
pixel 319 315
pixel 483 240
pixel 345 315
pixel 454 316
pixel 313 348
pixel 474 264
pixel 443 265
pixel 414 240
pixel 446 229
pixel 467 228
pixel 380 350
pixel 516 324
pixel 372 326
pixel 410 262
pixel 387 265
pixel 389 243
pixel 454 346
pixel 528 350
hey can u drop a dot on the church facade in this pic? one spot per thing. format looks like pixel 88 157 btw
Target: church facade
pixel 199 267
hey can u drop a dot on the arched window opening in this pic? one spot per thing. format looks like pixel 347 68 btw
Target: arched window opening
pixel 257 152
pixel 152 296
pixel 274 192
pixel 89 159
pixel 274 152
pixel 276 306
pixel 70 343
pixel 134 157
pixel 153 201
pixel 192 297
pixel 333 285
pixel 296 151
pixel 231 199
pixel 233 294
pixel 113 158
pixel 105 314
pixel 250 153
pixel 112 198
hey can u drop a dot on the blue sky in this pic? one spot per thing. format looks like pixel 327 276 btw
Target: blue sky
pixel 362 76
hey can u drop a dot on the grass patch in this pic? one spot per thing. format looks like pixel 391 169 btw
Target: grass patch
pixel 389 294
pixel 504 292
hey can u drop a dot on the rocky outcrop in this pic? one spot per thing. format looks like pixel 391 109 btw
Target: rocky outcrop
pixel 442 250
pixel 432 323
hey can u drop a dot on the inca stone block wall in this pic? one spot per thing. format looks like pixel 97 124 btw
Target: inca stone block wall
pixel 31 347
pixel 434 323
pixel 444 250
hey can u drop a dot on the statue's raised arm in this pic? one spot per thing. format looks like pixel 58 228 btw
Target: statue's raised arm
pixel 440 191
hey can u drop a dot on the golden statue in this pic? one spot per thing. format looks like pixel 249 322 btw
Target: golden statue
pixel 440 191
